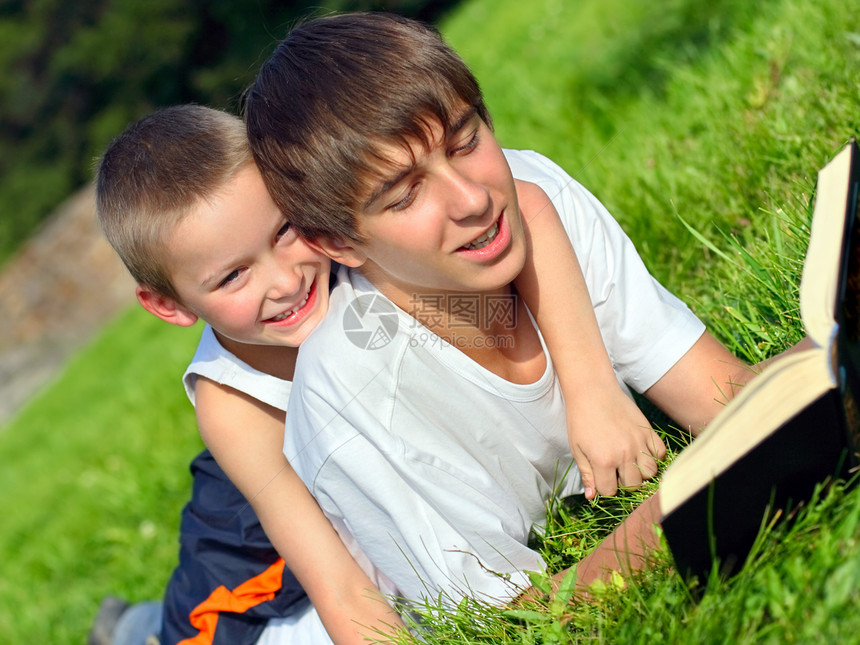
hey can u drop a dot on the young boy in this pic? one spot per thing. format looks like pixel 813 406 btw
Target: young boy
pixel 373 138
pixel 180 199
pixel 204 240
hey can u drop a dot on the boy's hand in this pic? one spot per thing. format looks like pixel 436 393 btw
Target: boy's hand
pixel 612 442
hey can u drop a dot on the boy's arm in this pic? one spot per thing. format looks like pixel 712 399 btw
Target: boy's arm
pixel 707 377
pixel 700 384
pixel 246 438
pixel 611 440
pixel 693 391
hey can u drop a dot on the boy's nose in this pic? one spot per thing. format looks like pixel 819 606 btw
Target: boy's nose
pixel 285 284
pixel 468 198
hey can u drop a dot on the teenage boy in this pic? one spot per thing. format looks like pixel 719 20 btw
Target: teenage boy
pixel 431 437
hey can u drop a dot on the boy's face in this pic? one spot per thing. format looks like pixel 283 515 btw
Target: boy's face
pixel 236 264
pixel 448 222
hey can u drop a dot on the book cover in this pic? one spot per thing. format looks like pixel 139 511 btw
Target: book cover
pixel 796 424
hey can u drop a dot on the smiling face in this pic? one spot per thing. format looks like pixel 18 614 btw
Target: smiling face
pixel 443 218
pixel 236 263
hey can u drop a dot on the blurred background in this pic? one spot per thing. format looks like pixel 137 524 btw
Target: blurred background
pixel 75 73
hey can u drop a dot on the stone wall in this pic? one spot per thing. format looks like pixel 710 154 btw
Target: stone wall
pixel 55 295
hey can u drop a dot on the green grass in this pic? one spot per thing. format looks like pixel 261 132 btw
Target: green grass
pixel 801 587
pixel 717 114
pixel 95 472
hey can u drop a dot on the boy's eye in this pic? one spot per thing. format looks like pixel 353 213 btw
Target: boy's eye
pixel 407 200
pixel 283 231
pixel 468 145
pixel 231 277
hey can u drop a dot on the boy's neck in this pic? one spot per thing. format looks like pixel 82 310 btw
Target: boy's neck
pixel 274 360
pixel 494 329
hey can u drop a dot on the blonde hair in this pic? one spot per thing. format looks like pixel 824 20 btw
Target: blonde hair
pixel 155 172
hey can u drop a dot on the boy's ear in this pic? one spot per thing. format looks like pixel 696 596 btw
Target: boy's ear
pixel 164 307
pixel 343 252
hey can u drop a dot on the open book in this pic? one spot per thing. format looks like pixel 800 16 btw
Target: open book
pixel 797 423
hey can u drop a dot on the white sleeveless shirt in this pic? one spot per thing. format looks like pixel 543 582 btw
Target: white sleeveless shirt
pixel 217 364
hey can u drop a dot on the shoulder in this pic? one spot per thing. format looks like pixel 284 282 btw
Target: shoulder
pixel 575 204
pixel 358 344
pixel 529 194
pixel 533 200
pixel 532 166
pixel 221 407
pixel 212 361
pixel 349 377
pixel 590 227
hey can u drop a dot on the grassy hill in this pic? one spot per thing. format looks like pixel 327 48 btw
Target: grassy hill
pixel 718 113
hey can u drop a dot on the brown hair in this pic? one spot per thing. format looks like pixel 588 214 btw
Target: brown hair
pixel 335 90
pixel 155 172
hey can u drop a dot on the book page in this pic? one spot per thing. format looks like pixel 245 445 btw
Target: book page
pixel 819 285
pixel 771 399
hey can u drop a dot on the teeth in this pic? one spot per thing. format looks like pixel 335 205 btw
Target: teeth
pixel 485 239
pixel 289 313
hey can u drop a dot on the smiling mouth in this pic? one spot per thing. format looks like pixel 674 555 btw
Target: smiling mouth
pixel 292 311
pixel 484 240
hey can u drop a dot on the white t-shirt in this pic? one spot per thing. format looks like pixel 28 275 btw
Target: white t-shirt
pixel 435 467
